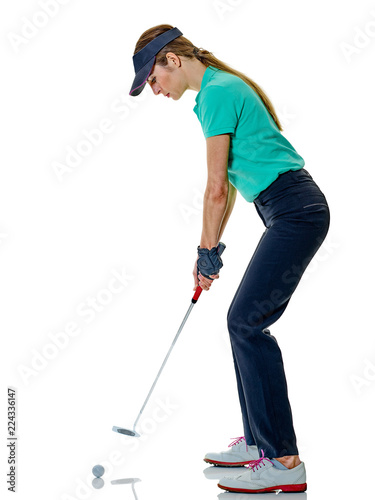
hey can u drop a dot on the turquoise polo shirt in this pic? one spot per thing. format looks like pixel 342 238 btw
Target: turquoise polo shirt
pixel 258 151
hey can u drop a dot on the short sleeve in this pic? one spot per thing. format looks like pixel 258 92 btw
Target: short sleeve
pixel 218 111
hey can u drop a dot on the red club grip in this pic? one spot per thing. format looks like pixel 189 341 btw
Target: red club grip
pixel 198 291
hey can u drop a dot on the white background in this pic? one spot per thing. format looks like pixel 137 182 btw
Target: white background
pixel 133 206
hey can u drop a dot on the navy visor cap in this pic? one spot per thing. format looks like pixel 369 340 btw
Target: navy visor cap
pixel 144 59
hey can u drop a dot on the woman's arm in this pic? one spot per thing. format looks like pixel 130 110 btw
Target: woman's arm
pixel 218 201
pixel 232 193
pixel 218 197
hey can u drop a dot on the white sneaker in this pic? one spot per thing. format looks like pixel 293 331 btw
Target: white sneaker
pixel 262 476
pixel 239 454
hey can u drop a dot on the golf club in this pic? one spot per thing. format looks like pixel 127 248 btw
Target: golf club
pixel 134 433
pixel 129 480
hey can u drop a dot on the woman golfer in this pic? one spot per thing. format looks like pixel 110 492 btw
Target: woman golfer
pixel 246 152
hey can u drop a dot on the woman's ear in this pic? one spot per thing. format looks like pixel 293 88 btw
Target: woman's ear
pixel 173 59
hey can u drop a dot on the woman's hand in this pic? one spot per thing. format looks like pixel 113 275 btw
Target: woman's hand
pixel 200 280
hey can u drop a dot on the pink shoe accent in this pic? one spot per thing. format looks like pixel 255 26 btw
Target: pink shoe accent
pixel 253 464
pixel 238 440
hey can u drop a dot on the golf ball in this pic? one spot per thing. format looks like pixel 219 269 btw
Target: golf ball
pixel 97 483
pixel 98 470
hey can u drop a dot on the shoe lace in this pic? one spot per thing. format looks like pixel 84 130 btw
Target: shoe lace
pixel 253 464
pixel 237 441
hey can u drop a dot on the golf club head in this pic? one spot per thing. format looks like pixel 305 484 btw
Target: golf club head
pixel 128 480
pixel 126 432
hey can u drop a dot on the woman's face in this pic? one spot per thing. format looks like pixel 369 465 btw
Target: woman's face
pixel 167 80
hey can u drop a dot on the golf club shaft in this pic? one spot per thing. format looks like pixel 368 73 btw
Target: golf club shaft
pixel 167 356
pixel 198 291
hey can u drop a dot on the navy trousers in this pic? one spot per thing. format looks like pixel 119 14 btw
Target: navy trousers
pixel 296 216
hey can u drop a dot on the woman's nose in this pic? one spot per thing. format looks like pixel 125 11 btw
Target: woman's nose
pixel 155 88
